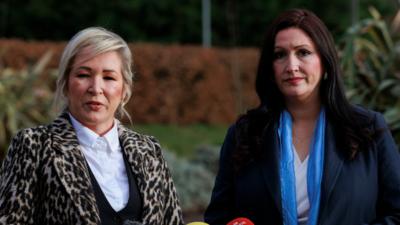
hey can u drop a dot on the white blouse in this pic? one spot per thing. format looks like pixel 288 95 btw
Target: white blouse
pixel 105 159
pixel 300 172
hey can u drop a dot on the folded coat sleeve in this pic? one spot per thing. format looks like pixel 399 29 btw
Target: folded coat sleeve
pixel 18 179
pixel 221 207
pixel 388 207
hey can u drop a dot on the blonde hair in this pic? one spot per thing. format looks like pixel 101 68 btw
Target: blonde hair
pixel 98 40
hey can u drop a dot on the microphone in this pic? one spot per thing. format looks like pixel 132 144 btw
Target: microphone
pixel 130 222
pixel 197 223
pixel 241 221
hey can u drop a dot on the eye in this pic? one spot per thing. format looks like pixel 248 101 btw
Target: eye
pixel 108 78
pixel 304 52
pixel 279 55
pixel 82 75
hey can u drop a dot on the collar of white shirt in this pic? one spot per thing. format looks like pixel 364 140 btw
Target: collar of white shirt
pixel 89 138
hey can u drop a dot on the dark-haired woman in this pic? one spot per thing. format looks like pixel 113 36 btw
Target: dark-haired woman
pixel 306 155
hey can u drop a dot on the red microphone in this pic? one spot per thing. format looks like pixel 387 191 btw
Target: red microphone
pixel 241 221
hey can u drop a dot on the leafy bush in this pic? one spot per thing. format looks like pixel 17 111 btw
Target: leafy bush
pixel 372 66
pixel 207 156
pixel 194 178
pixel 25 99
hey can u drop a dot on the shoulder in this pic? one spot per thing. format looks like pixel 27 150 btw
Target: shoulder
pixel 33 131
pixel 370 118
pixel 23 151
pixel 30 137
pixel 139 137
pixel 254 121
pixel 362 112
pixel 230 138
pixel 381 133
pixel 146 144
pixel 258 113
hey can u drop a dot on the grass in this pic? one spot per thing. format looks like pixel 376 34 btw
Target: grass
pixel 184 139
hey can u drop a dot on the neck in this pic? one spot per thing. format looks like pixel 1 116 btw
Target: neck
pixel 304 111
pixel 100 130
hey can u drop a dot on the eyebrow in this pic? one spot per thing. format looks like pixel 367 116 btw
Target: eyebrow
pixel 296 46
pixel 84 68
pixel 300 46
pixel 90 69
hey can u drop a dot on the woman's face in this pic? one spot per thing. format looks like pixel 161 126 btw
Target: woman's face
pixel 95 89
pixel 297 65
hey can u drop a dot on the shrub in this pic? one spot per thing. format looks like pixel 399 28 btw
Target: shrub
pixel 372 66
pixel 194 178
pixel 25 99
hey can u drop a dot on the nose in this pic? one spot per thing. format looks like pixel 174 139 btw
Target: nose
pixel 292 64
pixel 96 86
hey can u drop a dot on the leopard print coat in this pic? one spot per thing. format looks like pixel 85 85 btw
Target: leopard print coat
pixel 44 178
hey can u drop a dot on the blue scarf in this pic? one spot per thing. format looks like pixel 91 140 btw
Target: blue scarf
pixel 314 170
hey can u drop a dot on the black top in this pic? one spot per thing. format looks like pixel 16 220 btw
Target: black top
pixel 133 209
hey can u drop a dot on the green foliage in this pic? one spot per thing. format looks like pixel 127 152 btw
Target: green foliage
pixel 24 100
pixel 372 66
pixel 234 22
pixel 184 139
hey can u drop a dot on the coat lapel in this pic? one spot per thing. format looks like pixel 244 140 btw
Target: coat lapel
pixel 270 164
pixel 72 169
pixel 333 164
pixel 138 152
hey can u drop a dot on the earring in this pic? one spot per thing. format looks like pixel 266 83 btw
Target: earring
pixel 325 75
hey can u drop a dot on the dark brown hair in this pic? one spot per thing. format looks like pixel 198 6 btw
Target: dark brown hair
pixel 351 132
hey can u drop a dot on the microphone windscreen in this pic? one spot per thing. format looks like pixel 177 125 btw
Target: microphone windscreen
pixel 197 223
pixel 241 221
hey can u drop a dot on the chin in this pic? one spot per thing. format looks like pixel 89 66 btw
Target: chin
pixel 293 94
pixel 91 118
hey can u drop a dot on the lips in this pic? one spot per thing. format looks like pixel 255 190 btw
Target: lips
pixel 94 105
pixel 294 80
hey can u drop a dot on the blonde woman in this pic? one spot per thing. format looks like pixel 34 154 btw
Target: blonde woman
pixel 86 167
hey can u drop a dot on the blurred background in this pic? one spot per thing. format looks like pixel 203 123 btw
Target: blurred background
pixel 195 63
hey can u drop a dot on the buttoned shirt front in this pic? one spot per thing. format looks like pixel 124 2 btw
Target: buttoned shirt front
pixel 105 159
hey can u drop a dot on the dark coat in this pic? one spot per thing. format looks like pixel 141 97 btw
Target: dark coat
pixel 364 190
